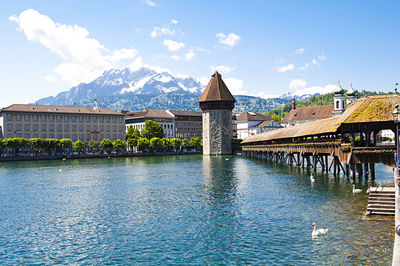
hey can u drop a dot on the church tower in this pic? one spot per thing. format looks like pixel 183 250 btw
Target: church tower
pixel 351 95
pixel 338 99
pixel 217 103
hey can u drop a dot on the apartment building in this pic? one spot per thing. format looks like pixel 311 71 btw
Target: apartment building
pixel 175 123
pixel 48 121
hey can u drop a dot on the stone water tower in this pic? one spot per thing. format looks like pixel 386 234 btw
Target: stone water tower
pixel 217 103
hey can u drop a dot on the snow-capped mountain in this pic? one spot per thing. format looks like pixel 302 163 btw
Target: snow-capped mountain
pixel 119 82
pixel 290 95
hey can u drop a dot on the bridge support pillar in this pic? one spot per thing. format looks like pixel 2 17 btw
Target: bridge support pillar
pixel 366 172
pixel 359 169
pixel 371 171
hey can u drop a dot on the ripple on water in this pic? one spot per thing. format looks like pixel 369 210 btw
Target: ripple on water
pixel 184 210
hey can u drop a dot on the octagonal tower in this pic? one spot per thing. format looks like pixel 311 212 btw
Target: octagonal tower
pixel 217 103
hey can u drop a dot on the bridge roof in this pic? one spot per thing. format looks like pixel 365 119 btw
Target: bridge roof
pixel 324 126
pixel 370 109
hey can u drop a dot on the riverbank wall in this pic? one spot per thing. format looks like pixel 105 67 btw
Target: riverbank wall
pixel 94 155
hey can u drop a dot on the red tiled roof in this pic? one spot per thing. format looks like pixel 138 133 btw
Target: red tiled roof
pixel 309 113
pixel 59 109
pixel 253 116
pixel 186 112
pixel 149 114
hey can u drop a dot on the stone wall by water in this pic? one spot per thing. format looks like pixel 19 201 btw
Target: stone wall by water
pixel 217 132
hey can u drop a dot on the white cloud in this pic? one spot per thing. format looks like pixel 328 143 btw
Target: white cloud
pixel 316 89
pixel 175 57
pixel 222 69
pixel 173 45
pixel 297 84
pixel 50 79
pixel 189 55
pixel 285 68
pixel 235 86
pixel 174 21
pixel 149 3
pixel 230 40
pixel 267 96
pixel 318 61
pixel 300 51
pixel 203 80
pixel 162 31
pixel 84 58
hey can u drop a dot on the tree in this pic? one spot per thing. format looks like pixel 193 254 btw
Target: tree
pixel 195 142
pixel 131 142
pixel 1 147
pixel 165 143
pixel 176 143
pixel 119 144
pixel 155 143
pixel 143 143
pixel 79 145
pixel 136 134
pixel 66 143
pixel 152 129
pixel 52 144
pixel 276 117
pixel 106 145
pixel 93 144
pixel 129 132
pixel 185 142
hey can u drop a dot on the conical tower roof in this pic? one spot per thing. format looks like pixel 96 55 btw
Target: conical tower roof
pixel 339 90
pixel 216 91
pixel 351 91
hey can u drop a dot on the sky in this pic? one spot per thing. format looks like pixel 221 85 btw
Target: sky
pixel 261 48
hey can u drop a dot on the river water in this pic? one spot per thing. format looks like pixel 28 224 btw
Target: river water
pixel 184 210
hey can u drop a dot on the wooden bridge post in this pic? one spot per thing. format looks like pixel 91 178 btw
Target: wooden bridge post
pixel 359 170
pixel 353 172
pixel 326 164
pixel 347 170
pixel 366 171
pixel 372 171
pixel 298 159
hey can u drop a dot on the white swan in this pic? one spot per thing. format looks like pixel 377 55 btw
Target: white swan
pixel 312 179
pixel 356 190
pixel 380 186
pixel 319 232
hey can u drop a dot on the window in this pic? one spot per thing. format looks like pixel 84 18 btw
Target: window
pixel 81 119
pixel 27 136
pixel 26 127
pixel 101 136
pixel 59 136
pixel 51 118
pixel 9 117
pixel 73 118
pixel 80 128
pixel 35 127
pixel 74 137
pixel 34 117
pixel 108 119
pixel 66 136
pixel 108 128
pixel 9 127
pixel 44 136
pixel 66 127
pixel 73 128
pixel 51 127
pixel 101 119
pixel 95 119
pixel 121 119
pixel 27 117
pixel 58 127
pixel 88 119
pixel 114 128
pixel 43 127
pixel 51 136
pixel 95 127
pixel 66 118
pixel 108 136
pixel 121 128
pixel 18 117
pixel 114 119
pixel 58 118
pixel 87 128
pixel 81 136
pixel 43 118
pixel 101 127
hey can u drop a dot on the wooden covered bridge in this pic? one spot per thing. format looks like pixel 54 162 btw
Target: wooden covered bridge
pixel 344 144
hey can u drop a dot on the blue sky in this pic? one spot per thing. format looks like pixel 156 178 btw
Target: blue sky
pixel 262 48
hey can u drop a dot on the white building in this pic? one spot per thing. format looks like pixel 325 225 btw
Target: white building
pixel 251 123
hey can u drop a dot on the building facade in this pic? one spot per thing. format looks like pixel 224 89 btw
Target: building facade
pixel 251 123
pixel 175 123
pixel 217 103
pixel 47 121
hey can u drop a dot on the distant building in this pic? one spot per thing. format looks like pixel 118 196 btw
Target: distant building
pixel 188 124
pixel 138 119
pixel 175 123
pixel 251 123
pixel 49 121
pixel 313 113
